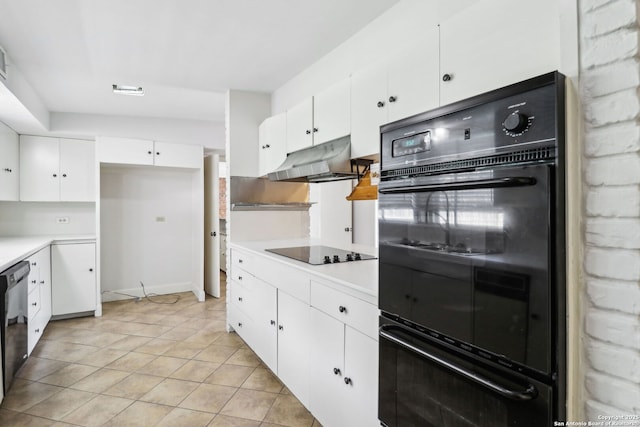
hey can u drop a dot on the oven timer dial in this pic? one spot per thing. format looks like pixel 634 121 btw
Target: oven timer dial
pixel 516 124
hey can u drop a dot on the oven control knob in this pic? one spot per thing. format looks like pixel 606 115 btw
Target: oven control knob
pixel 327 259
pixel 516 123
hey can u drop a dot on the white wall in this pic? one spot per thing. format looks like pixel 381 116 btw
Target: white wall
pixel 39 218
pixel 208 134
pixel 610 84
pixel 147 229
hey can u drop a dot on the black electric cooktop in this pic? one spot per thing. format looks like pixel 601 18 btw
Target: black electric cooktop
pixel 318 255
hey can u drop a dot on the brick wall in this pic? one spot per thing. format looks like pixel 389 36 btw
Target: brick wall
pixel 609 89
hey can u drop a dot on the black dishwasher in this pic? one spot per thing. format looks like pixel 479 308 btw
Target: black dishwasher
pixel 14 314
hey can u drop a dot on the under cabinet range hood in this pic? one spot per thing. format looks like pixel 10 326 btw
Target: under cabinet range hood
pixel 330 161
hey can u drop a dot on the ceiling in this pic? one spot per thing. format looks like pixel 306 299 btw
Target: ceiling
pixel 184 53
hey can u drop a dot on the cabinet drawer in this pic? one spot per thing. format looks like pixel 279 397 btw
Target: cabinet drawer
pixel 356 313
pixel 241 260
pixel 34 302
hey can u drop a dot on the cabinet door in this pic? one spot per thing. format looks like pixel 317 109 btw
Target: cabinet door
pixel 494 43
pixel 125 151
pixel 300 126
pixel 77 170
pixel 335 211
pixel 73 278
pixel 9 164
pixel 272 144
pixel 326 369
pixel 44 282
pixel 39 169
pixel 178 155
pixel 332 112
pixel 368 110
pixel 413 80
pixel 265 314
pixel 293 345
pixel 361 373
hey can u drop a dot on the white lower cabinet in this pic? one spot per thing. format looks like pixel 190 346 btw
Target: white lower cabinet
pixel 293 345
pixel 317 340
pixel 73 278
pixel 344 373
pixel 39 299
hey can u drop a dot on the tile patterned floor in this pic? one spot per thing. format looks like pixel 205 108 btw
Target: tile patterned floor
pixel 146 364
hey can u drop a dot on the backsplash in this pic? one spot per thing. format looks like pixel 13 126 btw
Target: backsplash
pixel 47 218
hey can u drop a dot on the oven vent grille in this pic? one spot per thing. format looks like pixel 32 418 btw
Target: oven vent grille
pixel 511 158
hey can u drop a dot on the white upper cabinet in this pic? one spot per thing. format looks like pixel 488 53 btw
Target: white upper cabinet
pixel 321 118
pixel 494 43
pixel 145 152
pixel 9 164
pixel 405 85
pixel 332 112
pixel 272 143
pixel 53 169
pixel 300 126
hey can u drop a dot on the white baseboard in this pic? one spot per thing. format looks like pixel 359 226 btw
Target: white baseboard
pixel 169 288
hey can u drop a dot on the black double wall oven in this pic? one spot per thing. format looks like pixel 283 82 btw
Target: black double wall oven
pixel 472 270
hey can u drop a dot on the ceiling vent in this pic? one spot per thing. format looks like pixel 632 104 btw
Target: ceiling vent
pixel 3 63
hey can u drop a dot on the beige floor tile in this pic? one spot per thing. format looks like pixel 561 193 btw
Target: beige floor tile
pixel 264 380
pixel 98 411
pixel 208 398
pixel 195 370
pixel 24 394
pixel 156 346
pixel 131 362
pixel 170 392
pixel 54 332
pixel 179 333
pixel 225 421
pixel 35 368
pixel 244 357
pixel 204 336
pixel 179 417
pixel 185 350
pixel 230 340
pixel 100 380
pixel 26 420
pixel 60 404
pixel 63 351
pixel 230 375
pixel 251 404
pixel 215 353
pixel 134 386
pixel 139 414
pixel 162 366
pixel 102 357
pixel 173 320
pixel 129 343
pixel 151 319
pixel 68 375
pixel 288 411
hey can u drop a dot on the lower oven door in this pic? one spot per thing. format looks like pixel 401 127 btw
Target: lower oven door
pixel 424 384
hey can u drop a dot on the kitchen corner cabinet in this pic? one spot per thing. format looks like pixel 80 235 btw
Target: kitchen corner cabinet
pixel 56 169
pixel 404 85
pixel 272 143
pixel 151 153
pixel 73 278
pixel 324 117
pixel 477 55
pixel 39 299
pixel 9 164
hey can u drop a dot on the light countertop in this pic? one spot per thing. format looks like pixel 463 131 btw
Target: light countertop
pixel 359 277
pixel 15 249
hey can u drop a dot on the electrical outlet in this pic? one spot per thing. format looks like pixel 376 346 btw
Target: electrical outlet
pixel 62 220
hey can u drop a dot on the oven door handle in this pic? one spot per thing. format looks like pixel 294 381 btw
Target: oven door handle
pixel 529 393
pixel 463 185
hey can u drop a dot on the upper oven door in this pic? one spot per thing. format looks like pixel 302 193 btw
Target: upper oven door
pixel 468 255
